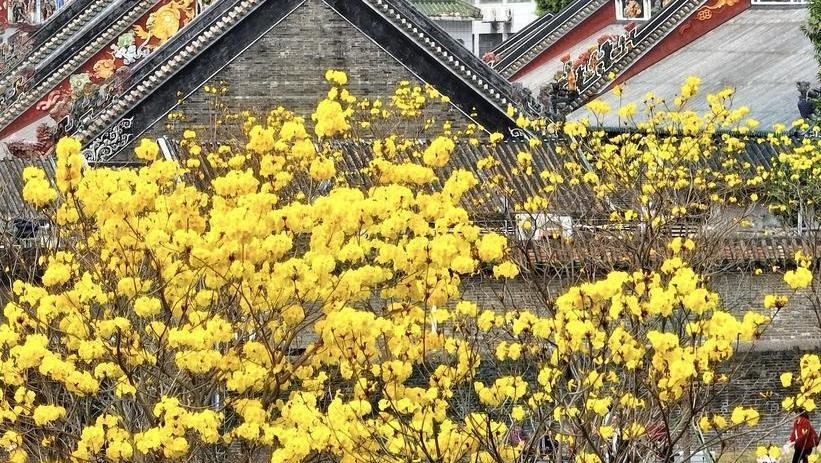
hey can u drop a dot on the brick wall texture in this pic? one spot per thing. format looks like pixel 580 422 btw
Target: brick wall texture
pixel 286 68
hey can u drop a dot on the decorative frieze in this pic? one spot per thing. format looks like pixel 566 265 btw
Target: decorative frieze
pixel 104 147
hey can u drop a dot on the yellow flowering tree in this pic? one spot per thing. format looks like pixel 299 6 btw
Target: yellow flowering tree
pixel 230 301
pixel 663 192
pixel 794 191
pixel 666 171
pixel 250 300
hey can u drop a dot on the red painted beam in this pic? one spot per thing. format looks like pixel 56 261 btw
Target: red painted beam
pixel 605 16
pixel 702 21
pixel 102 66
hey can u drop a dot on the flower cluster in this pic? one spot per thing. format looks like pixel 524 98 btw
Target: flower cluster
pixel 37 190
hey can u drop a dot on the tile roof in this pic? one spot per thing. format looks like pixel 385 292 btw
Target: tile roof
pixel 11 184
pixel 356 156
pixel 590 245
pixel 758 151
pixel 717 253
pixel 575 201
pixel 447 9
pixel 640 41
pixel 760 52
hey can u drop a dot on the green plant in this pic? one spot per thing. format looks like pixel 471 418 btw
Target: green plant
pixel 812 29
pixel 550 6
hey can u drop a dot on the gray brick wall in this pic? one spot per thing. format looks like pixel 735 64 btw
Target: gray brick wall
pixel 742 291
pixel 488 292
pixel 757 385
pixel 286 68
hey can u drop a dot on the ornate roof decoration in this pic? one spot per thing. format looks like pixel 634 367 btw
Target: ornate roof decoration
pixel 528 44
pixel 82 65
pixel 586 77
pixel 414 40
pixel 27 88
pixel 24 48
pixel 760 52
pixel 643 40
pixel 112 129
pixel 121 53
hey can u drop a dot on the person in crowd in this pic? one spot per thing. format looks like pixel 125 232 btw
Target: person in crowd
pixel 803 437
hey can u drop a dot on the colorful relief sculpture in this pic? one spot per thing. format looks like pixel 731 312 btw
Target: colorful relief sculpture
pixel 662 27
pixel 632 9
pixel 73 103
pixel 163 23
pixel 18 19
pixel 28 13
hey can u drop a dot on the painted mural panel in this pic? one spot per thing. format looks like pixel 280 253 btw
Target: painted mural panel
pixel 18 19
pixel 25 14
pixel 73 103
pixel 632 9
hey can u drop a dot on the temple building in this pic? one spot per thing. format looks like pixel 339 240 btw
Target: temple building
pixel 753 46
pixel 109 72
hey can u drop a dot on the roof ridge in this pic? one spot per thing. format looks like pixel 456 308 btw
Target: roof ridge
pixel 547 35
pixel 522 33
pixel 102 30
pixel 471 70
pixel 480 72
pixel 48 37
pixel 157 68
pixel 656 29
pixel 178 50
